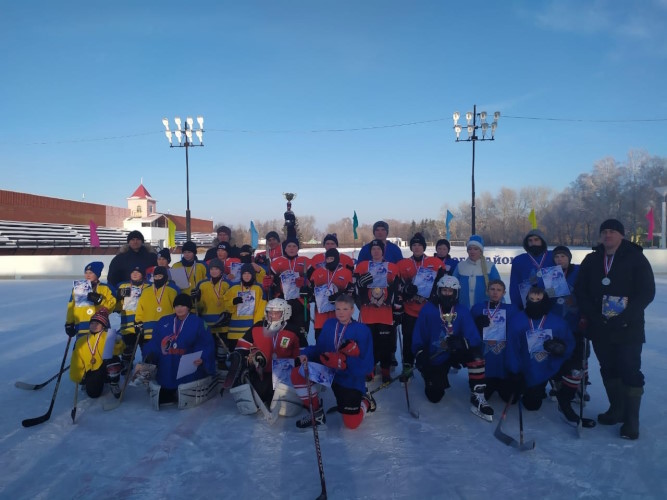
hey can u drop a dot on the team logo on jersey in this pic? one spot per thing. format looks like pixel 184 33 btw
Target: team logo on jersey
pixel 540 356
pixel 284 342
pixel 494 346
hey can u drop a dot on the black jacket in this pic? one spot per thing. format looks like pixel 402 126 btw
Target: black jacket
pixel 630 276
pixel 122 264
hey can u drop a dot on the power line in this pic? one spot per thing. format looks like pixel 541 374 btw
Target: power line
pixel 339 130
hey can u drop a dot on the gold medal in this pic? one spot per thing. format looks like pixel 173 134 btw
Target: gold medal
pixel 90 311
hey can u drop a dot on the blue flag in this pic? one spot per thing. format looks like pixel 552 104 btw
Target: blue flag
pixel 449 218
pixel 254 235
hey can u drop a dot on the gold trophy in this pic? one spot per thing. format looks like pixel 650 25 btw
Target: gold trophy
pixel 290 218
pixel 449 319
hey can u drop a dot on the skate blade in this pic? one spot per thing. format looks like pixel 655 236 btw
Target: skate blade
pixel 483 416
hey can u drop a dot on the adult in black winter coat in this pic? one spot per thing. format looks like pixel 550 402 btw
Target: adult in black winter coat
pixel 614 286
pixel 134 254
pixel 224 236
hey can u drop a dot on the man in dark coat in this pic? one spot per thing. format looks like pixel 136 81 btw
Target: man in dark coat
pixel 614 286
pixel 224 236
pixel 134 254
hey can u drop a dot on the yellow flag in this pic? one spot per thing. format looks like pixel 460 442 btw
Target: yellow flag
pixel 171 242
pixel 533 219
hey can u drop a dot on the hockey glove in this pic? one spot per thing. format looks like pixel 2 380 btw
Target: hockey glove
pixel 125 292
pixel 350 348
pixel 260 259
pixel 615 322
pixel 223 319
pixel 422 361
pixel 410 291
pixel 70 329
pixel 555 347
pixel 237 300
pixel 482 322
pixel 195 293
pixel 335 360
pixel 267 282
pixel 257 359
pixel 95 298
pixel 456 343
pixel 365 280
pixel 332 298
pixel 304 292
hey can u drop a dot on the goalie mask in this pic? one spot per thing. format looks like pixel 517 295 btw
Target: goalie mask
pixel 274 322
pixel 446 300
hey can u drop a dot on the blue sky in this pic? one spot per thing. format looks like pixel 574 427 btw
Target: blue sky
pixel 86 84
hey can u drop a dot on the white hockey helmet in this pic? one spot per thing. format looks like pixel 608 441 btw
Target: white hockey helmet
pixel 277 305
pixel 449 282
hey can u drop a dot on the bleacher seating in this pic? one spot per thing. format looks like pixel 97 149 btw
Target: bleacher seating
pixel 201 239
pixel 14 234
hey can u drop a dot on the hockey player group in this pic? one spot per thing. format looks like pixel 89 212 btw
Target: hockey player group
pixel 240 322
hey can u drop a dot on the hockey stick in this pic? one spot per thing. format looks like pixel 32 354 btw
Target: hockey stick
pixel 582 388
pixel 412 412
pixel 318 451
pixel 506 438
pixel 76 398
pixel 112 405
pixel 29 422
pixel 523 445
pixel 36 387
pixel 268 415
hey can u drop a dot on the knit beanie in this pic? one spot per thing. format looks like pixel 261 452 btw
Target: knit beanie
pixel 96 267
pixel 183 299
pixel 135 234
pixel 612 224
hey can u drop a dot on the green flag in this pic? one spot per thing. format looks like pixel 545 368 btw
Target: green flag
pixel 355 225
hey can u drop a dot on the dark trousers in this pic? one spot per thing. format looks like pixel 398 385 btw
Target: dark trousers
pixel 383 343
pixel 407 327
pixel 620 361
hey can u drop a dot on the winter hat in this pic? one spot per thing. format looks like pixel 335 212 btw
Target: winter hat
pixel 419 239
pixel 288 241
pixel 272 234
pixel 216 263
pixel 164 253
pixel 443 242
pixel 102 317
pixel 139 269
pixel 612 224
pixel 161 270
pixel 476 241
pixel 381 223
pixel 376 243
pixel 96 267
pixel 223 246
pixel 330 237
pixel 248 268
pixel 135 234
pixel 539 234
pixel 183 299
pixel 224 229
pixel 560 249
pixel 246 249
pixel 189 246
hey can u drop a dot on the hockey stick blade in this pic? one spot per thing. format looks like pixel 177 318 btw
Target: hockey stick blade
pixel 30 422
pixel 35 387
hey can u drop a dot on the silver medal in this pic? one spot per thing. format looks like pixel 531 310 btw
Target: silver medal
pixel 159 309
pixel 90 312
pixel 274 356
pixel 561 300
pixel 539 274
pixel 606 281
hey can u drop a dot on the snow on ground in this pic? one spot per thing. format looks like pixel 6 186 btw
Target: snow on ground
pixel 211 451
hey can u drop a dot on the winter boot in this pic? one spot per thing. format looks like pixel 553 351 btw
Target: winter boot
pixel 407 373
pixel 478 404
pixel 372 405
pixel 616 394
pixel 564 397
pixel 633 398
pixel 307 422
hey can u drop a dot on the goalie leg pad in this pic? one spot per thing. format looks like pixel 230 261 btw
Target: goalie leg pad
pixel 244 399
pixel 197 392
pixel 154 390
pixel 286 401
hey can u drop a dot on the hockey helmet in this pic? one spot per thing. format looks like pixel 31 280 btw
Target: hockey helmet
pixel 448 281
pixel 277 305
